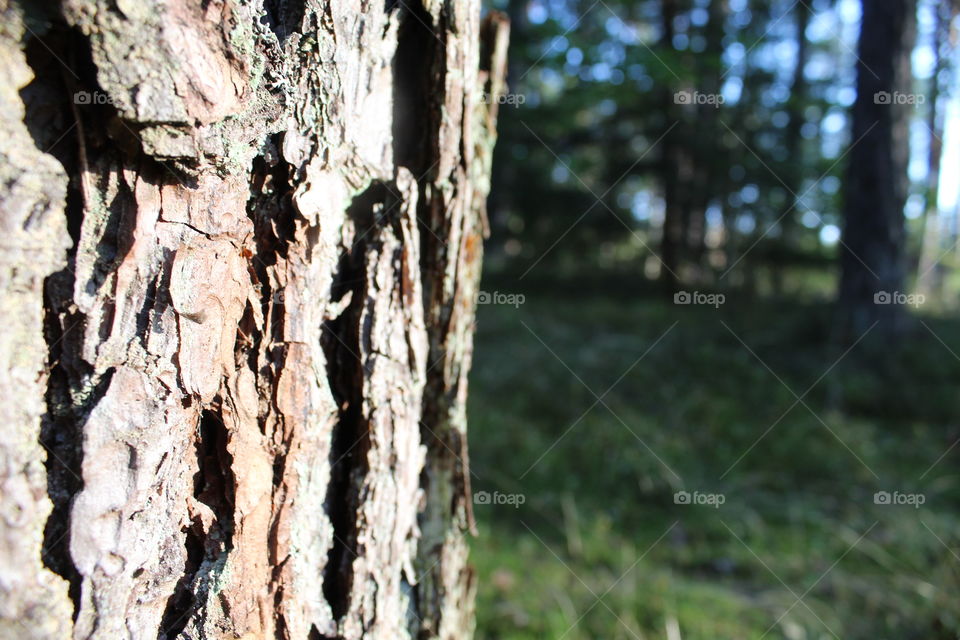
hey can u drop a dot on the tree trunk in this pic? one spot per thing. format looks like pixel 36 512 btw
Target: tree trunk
pixel 241 254
pixel 708 175
pixel 872 257
pixel 671 159
pixel 793 146
pixel 929 272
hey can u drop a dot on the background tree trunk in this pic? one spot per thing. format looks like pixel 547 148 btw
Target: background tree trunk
pixel 873 253
pixel 929 271
pixel 671 166
pixel 792 170
pixel 241 254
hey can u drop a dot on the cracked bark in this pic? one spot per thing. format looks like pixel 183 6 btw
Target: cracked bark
pixel 240 260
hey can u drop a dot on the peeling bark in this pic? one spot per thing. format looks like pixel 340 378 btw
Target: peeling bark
pixel 241 254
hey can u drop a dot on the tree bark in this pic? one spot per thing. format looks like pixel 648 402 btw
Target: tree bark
pixel 873 253
pixel 241 254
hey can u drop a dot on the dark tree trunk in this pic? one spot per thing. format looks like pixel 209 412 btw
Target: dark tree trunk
pixel 872 255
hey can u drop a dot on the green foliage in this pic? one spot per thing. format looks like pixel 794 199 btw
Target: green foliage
pixel 799 511
pixel 599 84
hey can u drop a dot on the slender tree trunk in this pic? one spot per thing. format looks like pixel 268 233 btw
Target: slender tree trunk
pixel 708 176
pixel 241 252
pixel 928 273
pixel 872 257
pixel 670 160
pixel 793 140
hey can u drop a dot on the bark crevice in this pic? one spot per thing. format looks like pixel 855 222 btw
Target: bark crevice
pixel 209 535
pixel 342 346
pixel 284 17
pixel 72 387
pixel 416 89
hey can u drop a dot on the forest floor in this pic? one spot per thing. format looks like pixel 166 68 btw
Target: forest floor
pixel 782 438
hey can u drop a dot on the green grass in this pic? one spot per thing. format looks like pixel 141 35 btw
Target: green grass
pixel 799 518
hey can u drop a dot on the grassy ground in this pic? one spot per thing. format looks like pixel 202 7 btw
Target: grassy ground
pixel 705 400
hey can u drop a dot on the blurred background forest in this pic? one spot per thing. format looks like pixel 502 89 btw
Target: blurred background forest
pixel 715 389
